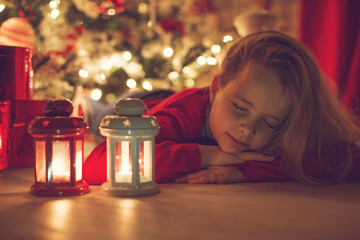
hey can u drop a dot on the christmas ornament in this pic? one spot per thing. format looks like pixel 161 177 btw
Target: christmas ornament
pixel 17 32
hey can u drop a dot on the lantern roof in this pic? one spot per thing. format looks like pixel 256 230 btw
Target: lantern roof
pixel 129 119
pixel 57 120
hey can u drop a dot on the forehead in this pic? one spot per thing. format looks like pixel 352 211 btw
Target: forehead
pixel 260 86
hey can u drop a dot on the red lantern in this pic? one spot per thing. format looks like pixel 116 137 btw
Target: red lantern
pixel 59 151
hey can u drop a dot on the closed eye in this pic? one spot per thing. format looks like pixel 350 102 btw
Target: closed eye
pixel 240 108
pixel 270 125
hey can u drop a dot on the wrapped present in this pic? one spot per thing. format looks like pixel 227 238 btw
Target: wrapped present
pixel 15 73
pixel 16 145
pixel 16 107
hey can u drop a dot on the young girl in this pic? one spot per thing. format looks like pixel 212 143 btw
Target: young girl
pixel 267 116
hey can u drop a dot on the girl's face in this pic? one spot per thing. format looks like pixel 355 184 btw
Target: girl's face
pixel 248 110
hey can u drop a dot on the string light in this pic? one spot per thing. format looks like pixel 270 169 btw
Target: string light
pixel 53 4
pixel 143 8
pixel 189 83
pixel 147 85
pixel 176 62
pixel 110 97
pixel 173 75
pixel 117 60
pixel 96 94
pixel 168 52
pixel 82 52
pixel 227 38
pixel 175 81
pixel 100 78
pixel 131 83
pixel 201 60
pixel 211 61
pixel 189 72
pixel 54 13
pixel 83 73
pixel 2 7
pixel 127 56
pixel 106 64
pixel 215 48
pixel 186 70
pixel 111 12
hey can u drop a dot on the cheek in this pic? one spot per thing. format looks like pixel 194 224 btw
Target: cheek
pixel 219 118
pixel 262 137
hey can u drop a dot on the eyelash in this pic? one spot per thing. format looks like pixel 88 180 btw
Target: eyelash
pixel 240 108
pixel 269 125
pixel 245 110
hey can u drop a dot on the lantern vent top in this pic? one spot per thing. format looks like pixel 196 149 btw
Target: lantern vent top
pixel 129 107
pixel 57 120
pixel 58 107
pixel 129 120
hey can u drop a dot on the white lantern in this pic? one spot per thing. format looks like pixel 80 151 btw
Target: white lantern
pixel 130 149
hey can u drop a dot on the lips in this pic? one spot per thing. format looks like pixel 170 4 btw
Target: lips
pixel 238 142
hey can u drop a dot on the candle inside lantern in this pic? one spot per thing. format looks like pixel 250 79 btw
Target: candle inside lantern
pixel 123 165
pixel 61 161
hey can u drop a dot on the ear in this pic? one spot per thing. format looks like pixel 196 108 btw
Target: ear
pixel 214 87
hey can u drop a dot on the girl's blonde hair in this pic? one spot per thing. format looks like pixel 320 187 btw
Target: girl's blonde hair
pixel 319 139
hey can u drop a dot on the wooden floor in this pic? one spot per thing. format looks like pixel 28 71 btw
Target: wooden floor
pixel 182 211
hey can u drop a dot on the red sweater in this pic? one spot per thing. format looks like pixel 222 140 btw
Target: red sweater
pixel 181 117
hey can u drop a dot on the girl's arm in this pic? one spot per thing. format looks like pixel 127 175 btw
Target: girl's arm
pixel 174 160
pixel 216 169
pixel 213 174
pixel 214 156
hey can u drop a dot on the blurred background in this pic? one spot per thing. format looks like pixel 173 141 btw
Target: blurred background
pixel 102 49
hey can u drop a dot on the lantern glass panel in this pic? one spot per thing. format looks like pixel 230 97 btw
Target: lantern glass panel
pixel 60 161
pixel 123 163
pixel 78 159
pixel 145 161
pixel 40 161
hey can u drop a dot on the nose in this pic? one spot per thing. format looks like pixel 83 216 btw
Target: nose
pixel 246 130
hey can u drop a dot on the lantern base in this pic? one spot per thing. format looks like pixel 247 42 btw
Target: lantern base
pixel 60 191
pixel 130 192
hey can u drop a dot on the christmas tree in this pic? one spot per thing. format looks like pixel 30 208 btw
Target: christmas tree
pixel 108 47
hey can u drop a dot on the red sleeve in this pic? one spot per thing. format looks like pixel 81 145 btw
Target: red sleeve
pixel 173 160
pixel 255 171
pixel 175 155
pixel 94 168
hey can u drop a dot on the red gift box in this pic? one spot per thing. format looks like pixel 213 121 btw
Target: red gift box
pixel 16 145
pixel 16 82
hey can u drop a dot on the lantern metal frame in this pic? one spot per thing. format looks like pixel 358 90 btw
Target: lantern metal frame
pixel 46 131
pixel 134 129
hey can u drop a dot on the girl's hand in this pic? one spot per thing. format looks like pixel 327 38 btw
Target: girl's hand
pixel 213 174
pixel 214 156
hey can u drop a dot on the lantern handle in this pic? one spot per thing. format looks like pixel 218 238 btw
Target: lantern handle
pixel 148 111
